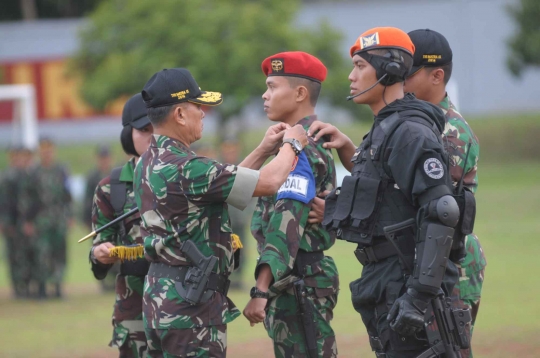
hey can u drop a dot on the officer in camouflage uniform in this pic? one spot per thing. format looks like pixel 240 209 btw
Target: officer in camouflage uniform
pixel 430 73
pixel 290 248
pixel 185 222
pixel 113 197
pixel 53 218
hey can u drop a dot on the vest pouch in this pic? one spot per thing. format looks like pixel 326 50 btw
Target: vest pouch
pixel 364 212
pixel 467 214
pixel 330 203
pixel 343 205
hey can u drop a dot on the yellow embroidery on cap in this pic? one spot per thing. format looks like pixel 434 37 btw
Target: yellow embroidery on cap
pixel 432 58
pixel 180 95
pixel 277 65
pixel 370 40
pixel 210 97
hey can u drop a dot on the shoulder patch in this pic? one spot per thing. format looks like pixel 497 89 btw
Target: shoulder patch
pixel 434 168
pixel 300 184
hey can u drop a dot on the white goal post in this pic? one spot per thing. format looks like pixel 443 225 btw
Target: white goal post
pixel 24 122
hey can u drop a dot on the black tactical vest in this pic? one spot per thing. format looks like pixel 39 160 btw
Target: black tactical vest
pixel 369 198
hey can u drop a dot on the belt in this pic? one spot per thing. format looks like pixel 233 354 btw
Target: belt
pixel 216 282
pixel 138 267
pixel 304 258
pixel 384 250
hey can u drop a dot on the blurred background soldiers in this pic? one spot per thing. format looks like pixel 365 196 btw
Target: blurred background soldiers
pixel 52 220
pixel 102 169
pixel 8 221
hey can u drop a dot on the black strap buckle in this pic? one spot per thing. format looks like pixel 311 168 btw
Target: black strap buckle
pixel 365 255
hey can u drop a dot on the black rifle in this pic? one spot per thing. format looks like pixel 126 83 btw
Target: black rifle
pixel 194 285
pixel 451 322
pixel 306 318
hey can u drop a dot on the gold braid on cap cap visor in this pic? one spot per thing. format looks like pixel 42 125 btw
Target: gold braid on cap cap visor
pixel 209 98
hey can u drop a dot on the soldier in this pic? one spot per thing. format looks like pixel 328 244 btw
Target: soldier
pixel 53 217
pixel 398 175
pixel 431 71
pixel 8 221
pixel 102 169
pixel 113 197
pixel 291 250
pixel 185 223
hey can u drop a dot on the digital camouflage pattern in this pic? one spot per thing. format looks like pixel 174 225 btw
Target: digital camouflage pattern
pixel 182 197
pixel 128 332
pixel 281 229
pixel 202 342
pixel 457 134
pixel 53 217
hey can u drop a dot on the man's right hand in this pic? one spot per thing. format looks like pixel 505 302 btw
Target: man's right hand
pixel 297 132
pixel 101 252
pixel 336 138
pixel 273 138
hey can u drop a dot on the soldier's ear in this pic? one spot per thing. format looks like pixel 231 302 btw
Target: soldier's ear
pixel 179 114
pixel 437 76
pixel 301 93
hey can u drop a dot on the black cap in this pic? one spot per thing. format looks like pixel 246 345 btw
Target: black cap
pixel 134 113
pixel 432 50
pixel 176 85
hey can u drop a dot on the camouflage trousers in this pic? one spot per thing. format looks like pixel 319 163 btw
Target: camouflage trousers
pixel 54 244
pixel 129 338
pixel 20 257
pixel 467 291
pixel 286 332
pixel 202 342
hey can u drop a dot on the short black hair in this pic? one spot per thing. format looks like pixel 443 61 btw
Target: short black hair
pixel 157 115
pixel 447 68
pixel 314 88
pixel 126 139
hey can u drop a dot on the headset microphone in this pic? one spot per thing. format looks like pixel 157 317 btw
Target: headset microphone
pixel 361 93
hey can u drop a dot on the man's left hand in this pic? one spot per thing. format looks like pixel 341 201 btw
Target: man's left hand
pixel 273 138
pixel 316 214
pixel 406 316
pixel 254 310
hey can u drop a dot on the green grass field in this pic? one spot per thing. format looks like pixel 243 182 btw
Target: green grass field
pixel 507 225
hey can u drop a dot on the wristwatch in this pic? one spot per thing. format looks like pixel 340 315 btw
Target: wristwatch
pixel 295 144
pixel 92 256
pixel 256 293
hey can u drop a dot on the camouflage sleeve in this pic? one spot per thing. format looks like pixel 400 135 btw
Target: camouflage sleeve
pixel 457 136
pixel 209 181
pixel 282 237
pixel 103 213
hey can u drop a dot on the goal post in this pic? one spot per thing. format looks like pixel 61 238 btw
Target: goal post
pixel 24 121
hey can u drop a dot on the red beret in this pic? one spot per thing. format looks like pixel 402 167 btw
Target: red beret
pixel 383 37
pixel 295 64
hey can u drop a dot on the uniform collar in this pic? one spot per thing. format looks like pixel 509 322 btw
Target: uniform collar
pixel 446 104
pixel 307 121
pixel 162 141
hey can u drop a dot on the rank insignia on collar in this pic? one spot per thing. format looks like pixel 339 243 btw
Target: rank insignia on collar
pixel 370 40
pixel 277 65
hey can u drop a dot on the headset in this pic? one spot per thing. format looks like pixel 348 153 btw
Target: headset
pixel 390 68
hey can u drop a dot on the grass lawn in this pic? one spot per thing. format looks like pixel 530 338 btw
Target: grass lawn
pixel 508 227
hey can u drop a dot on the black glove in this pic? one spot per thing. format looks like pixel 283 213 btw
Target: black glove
pixel 406 316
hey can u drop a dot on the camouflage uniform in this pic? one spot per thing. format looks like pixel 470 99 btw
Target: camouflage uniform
pixel 457 134
pixel 281 229
pixel 52 221
pixel 128 333
pixel 175 189
pixel 15 247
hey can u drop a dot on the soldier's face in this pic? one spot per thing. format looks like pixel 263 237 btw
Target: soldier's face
pixel 418 84
pixel 46 153
pixel 279 98
pixel 141 138
pixel 363 76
